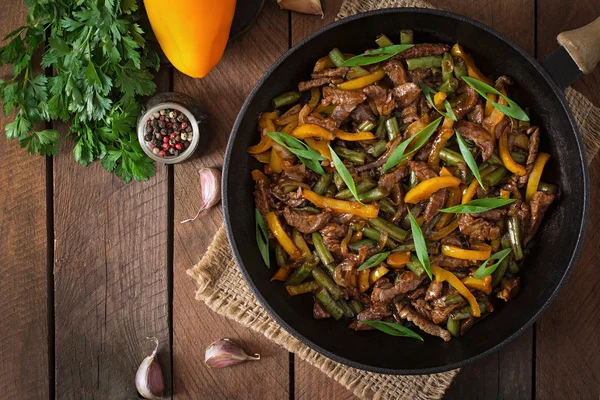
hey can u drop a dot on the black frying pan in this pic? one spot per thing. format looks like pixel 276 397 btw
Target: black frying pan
pixel 557 243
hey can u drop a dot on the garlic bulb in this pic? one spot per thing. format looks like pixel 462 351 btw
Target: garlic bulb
pixel 210 186
pixel 225 353
pixel 302 6
pixel 149 379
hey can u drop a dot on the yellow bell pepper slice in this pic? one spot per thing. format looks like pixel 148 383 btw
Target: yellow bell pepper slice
pixel 282 274
pixel 472 70
pixel 442 275
pixel 493 115
pixel 438 100
pixel 300 243
pixel 276 160
pixel 536 175
pixel 258 175
pixel 363 81
pixel 263 157
pixel 282 237
pixel 425 189
pixel 504 194
pixel 398 260
pixel 353 136
pixel 484 285
pixel 470 192
pixel 322 146
pixel 363 280
pixel 265 124
pixel 289 128
pixel 507 159
pixel 377 273
pixel 367 211
pixel 312 130
pixel 464 254
pixel 445 231
pixel 315 96
pixel 323 63
pixel 264 145
pixel 444 172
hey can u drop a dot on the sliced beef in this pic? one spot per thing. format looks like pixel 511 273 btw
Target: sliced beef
pixel 423 153
pixel 337 96
pixel 503 82
pixel 534 143
pixel 332 237
pixel 539 204
pixel 479 135
pixel 361 113
pixel 384 101
pixel 341 112
pixel 452 240
pixel 422 170
pixel 420 74
pixel 305 221
pixel 436 203
pixel 415 294
pixel 477 228
pixel 343 273
pixel 395 71
pixel 408 313
pixel 493 215
pixel 261 196
pixel 319 312
pixel 374 313
pixel 422 308
pixel 467 100
pixel 313 83
pixel 326 123
pixel 406 94
pixel 407 282
pixel 441 314
pixel 422 50
pixel 509 288
pixel 451 262
pixel 410 113
pixel 330 73
pixel 434 291
pixel 387 181
pixel 477 113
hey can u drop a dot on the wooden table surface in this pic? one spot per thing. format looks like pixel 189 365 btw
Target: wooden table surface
pixel 90 266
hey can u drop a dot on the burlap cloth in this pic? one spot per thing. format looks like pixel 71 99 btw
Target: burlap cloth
pixel 223 289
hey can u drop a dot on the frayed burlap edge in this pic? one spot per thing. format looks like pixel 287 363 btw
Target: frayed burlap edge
pixel 222 288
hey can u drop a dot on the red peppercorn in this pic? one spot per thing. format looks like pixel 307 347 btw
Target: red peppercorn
pixel 161 153
pixel 148 122
pixel 170 125
pixel 173 135
pixel 166 146
pixel 184 125
pixel 178 146
pixel 162 118
pixel 166 139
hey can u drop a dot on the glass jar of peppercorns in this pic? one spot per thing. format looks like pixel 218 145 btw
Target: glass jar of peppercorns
pixel 169 130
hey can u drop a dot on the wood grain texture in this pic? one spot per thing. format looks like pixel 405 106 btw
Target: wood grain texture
pixel 194 325
pixel 110 277
pixel 23 257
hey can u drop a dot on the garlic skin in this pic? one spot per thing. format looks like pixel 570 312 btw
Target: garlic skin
pixel 210 186
pixel 149 379
pixel 224 353
pixel 302 6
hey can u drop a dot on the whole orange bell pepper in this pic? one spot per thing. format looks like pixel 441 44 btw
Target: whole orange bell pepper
pixel 192 33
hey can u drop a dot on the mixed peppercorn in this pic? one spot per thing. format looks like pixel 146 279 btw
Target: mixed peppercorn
pixel 168 133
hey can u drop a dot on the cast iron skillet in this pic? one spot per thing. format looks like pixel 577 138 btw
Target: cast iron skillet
pixel 557 243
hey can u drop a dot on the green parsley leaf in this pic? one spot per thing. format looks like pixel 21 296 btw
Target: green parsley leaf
pixel 484 271
pixel 394 329
pixel 420 245
pixel 513 110
pixel 478 205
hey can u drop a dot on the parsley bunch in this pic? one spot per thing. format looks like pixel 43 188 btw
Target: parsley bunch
pixel 102 65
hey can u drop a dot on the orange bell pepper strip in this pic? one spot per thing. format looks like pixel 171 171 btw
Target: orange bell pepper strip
pixel 444 172
pixel 264 145
pixel 445 231
pixel 263 157
pixel 366 211
pixel 438 100
pixel 536 175
pixel 442 275
pixel 438 144
pixel 425 189
pixel 363 81
pixel 353 136
pixel 258 175
pixel 484 285
pixel 282 274
pixel 276 160
pixel 377 273
pixel 464 254
pixel 265 124
pixel 398 260
pixel 363 280
pixel 505 194
pixel 472 70
pixel 493 115
pixel 470 192
pixel 507 159
pixel 284 240
pixel 300 243
pixel 312 130
pixel 322 146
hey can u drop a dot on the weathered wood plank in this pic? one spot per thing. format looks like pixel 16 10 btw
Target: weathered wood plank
pixel 110 277
pixel 24 371
pixel 194 325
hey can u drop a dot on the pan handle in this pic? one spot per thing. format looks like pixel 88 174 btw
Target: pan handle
pixel 578 54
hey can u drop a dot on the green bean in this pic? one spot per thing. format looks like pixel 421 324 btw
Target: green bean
pixel 311 209
pixel 519 156
pixel 305 287
pixel 356 72
pixel 436 73
pixel 331 191
pixel 281 256
pixel 329 304
pixel 322 184
pixel 339 182
pixel 374 194
pixel 513 267
pixel 413 181
pixel 381 127
pixel 455 298
pixel 453 326
pixel 383 41
pixel 424 62
pixel 378 148
pixel 348 312
pixel 366 126
pixel 364 242
pixel 495 160
pixel 451 157
pixel 356 306
pixel 465 312
pixel 285 99
pixel 449 86
pixel 353 156
pixel 392 128
pixel 406 36
pixel 410 246
pixel 325 280
pixel 460 68
pixel 494 177
pixel 548 188
pixel 393 230
pixel 372 233
pixel 322 252
pixel 448 67
pixel 361 187
pixel 415 265
pixel 337 58
pixel 386 206
pixel 505 241
pixel 514 231
pixel 498 274
pixel 300 274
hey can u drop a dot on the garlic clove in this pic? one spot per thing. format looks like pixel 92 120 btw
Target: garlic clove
pixel 149 379
pixel 210 186
pixel 302 6
pixel 224 353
